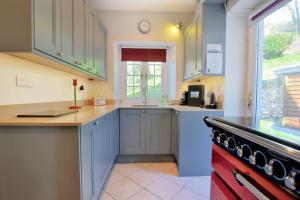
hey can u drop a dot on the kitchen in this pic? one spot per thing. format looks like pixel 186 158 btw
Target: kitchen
pixel 131 99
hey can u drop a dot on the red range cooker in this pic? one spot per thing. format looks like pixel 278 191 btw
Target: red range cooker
pixel 255 158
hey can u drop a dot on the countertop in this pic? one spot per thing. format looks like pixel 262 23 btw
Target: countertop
pixel 87 114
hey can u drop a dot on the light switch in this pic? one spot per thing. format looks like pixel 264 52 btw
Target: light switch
pixel 24 82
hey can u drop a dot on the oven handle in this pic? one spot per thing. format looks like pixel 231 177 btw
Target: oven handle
pixel 243 181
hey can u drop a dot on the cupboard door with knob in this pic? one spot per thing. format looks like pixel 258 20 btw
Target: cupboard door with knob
pixel 67 31
pixel 132 132
pixel 86 158
pixel 47 27
pixel 158 131
pixel 100 50
pixel 79 35
pixel 100 154
pixel 190 52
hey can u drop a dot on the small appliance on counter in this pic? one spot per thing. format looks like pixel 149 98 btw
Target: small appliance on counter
pixel 196 95
pixel 184 100
pixel 212 104
pixel 99 101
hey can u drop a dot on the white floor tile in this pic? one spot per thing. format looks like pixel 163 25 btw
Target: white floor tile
pixel 114 177
pixel 173 175
pixel 143 195
pixel 123 189
pixel 164 188
pixel 188 195
pixel 144 177
pixel 126 169
pixel 106 196
pixel 160 167
pixel 200 185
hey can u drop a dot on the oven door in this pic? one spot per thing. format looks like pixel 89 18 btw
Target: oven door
pixel 219 190
pixel 241 180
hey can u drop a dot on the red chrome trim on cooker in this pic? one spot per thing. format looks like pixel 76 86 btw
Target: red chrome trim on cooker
pixel 224 164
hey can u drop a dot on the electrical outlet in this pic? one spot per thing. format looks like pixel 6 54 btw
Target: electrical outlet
pixel 24 82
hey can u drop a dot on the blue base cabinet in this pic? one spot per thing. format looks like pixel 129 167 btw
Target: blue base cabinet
pixel 193 142
pixel 99 141
pixel 145 131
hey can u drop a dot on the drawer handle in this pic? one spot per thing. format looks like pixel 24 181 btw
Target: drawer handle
pixel 244 182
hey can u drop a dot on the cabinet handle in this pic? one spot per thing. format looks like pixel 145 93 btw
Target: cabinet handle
pixel 143 111
pixel 96 123
pixel 76 62
pixel 60 54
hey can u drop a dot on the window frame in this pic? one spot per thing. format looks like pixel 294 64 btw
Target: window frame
pixel 144 71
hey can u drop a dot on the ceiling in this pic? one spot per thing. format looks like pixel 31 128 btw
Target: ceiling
pixel 146 5
pixel 248 4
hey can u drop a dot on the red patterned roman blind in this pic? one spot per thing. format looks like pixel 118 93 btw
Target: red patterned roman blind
pixel 144 55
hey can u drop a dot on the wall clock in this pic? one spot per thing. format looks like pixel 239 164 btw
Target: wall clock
pixel 144 26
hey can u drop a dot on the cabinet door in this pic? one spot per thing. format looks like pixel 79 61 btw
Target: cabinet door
pixel 132 132
pixel 91 17
pixel 100 50
pixel 158 132
pixel 114 135
pixel 47 26
pixel 190 52
pixel 100 152
pixel 176 135
pixel 199 49
pixel 67 31
pixel 86 158
pixel 79 34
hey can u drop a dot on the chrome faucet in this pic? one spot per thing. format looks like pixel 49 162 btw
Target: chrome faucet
pixel 145 96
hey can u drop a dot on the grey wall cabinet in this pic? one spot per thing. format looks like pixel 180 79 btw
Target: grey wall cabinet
pixel 158 131
pixel 64 34
pixel 100 50
pixel 47 26
pixel 208 27
pixel 190 51
pixel 132 132
pixel 145 131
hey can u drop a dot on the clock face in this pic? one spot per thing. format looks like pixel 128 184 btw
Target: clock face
pixel 144 26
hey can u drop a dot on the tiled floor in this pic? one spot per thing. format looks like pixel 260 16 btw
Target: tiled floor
pixel 154 181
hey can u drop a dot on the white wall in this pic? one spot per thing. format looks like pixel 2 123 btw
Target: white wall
pixel 123 26
pixel 236 65
pixel 49 85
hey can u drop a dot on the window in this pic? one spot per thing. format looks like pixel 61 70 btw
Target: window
pixel 144 77
pixel 133 79
pixel 143 72
pixel 278 85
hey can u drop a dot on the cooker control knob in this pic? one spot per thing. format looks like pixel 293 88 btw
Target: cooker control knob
pixel 252 160
pixel 219 139
pixel 213 134
pixel 239 151
pixel 290 181
pixel 226 144
pixel 269 168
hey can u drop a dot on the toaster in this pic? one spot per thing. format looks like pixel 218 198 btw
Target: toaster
pixel 99 101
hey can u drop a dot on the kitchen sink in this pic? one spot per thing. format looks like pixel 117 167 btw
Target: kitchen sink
pixel 145 105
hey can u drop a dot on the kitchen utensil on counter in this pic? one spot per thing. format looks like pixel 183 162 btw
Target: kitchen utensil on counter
pixel 212 104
